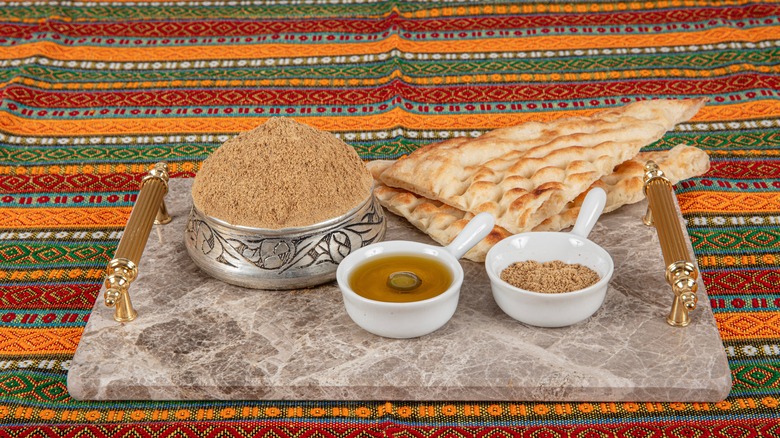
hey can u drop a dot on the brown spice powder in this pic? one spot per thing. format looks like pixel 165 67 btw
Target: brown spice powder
pixel 549 277
pixel 281 174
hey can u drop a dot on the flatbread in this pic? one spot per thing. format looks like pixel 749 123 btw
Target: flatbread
pixel 440 221
pixel 624 186
pixel 527 173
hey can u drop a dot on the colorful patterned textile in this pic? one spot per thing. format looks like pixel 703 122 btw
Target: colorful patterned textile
pixel 93 93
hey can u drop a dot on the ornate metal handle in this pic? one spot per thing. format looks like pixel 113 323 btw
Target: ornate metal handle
pixel 123 269
pixel 681 273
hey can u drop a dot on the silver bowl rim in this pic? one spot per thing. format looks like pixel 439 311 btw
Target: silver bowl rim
pixel 328 223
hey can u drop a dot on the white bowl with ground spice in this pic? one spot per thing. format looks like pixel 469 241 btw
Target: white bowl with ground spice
pixel 280 206
pixel 552 279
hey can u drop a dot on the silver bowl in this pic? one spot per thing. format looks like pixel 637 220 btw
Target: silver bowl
pixel 288 258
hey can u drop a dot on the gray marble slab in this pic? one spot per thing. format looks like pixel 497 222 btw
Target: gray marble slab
pixel 198 338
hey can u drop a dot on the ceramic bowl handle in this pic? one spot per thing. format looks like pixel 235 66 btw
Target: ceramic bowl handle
pixel 477 229
pixel 590 211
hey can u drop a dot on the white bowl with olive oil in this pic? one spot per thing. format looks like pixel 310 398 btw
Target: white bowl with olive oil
pixel 402 289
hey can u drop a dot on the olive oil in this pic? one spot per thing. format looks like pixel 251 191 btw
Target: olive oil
pixel 374 278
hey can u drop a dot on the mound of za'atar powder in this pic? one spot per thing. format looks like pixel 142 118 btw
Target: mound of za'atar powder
pixel 549 277
pixel 281 174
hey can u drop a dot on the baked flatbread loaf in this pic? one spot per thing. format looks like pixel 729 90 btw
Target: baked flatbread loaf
pixel 440 221
pixel 529 172
pixel 624 186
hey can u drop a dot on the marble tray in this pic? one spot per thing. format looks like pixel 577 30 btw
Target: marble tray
pixel 198 338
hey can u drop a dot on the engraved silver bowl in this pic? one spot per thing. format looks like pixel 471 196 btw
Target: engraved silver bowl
pixel 288 258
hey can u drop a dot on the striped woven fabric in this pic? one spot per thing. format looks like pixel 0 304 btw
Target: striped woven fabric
pixel 93 93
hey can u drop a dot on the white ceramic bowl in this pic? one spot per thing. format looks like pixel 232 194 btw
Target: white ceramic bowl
pixel 553 309
pixel 416 318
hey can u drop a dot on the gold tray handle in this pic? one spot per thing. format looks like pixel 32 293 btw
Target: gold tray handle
pixel 149 209
pixel 681 273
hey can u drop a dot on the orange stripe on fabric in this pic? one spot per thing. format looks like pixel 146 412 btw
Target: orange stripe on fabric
pixel 580 8
pixel 389 120
pixel 64 218
pixel 728 202
pixel 744 260
pixel 253 417
pixel 56 274
pixel 15 341
pixel 563 42
pixel 748 325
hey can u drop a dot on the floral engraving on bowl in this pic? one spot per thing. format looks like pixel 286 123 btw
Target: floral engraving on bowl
pixel 323 246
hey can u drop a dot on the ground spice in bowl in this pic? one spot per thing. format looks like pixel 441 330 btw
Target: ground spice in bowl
pixel 282 174
pixel 549 277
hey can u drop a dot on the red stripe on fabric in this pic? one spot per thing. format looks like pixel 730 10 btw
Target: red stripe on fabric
pixel 623 429
pixel 422 94
pixel 205 97
pixel 56 183
pixel 673 428
pixel 202 28
pixel 750 169
pixel 173 428
pixel 731 281
pixel 230 28
pixel 64 296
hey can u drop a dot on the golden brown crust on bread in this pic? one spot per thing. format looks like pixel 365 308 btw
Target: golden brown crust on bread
pixel 529 172
pixel 623 186
pixel 440 221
